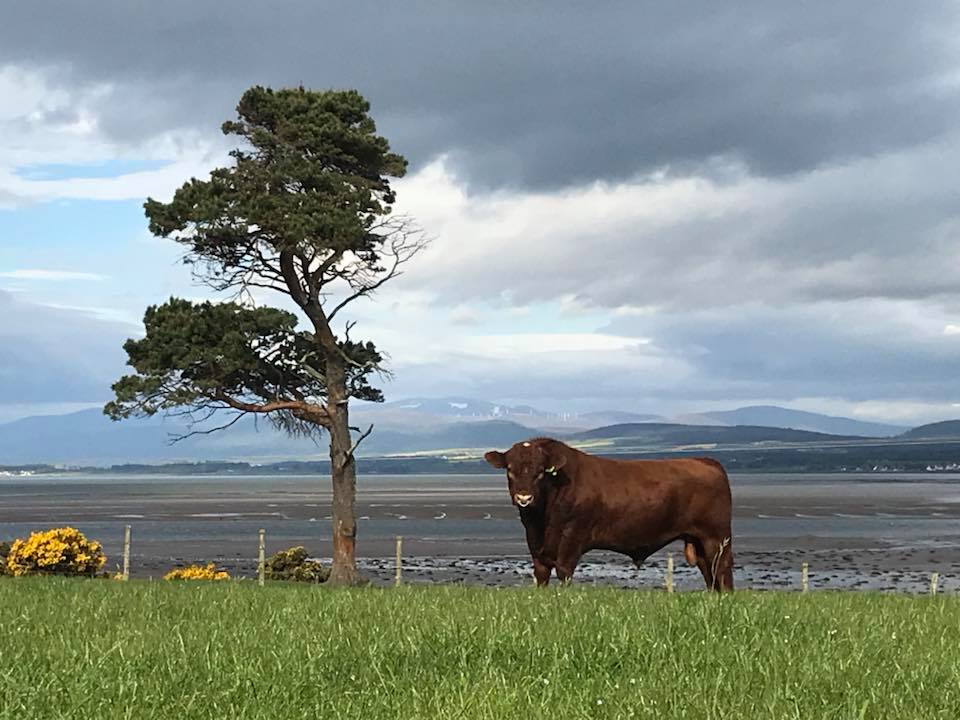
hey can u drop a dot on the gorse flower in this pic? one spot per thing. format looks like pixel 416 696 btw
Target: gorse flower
pixel 197 572
pixel 60 551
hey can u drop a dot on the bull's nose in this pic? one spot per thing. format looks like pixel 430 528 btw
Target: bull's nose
pixel 523 500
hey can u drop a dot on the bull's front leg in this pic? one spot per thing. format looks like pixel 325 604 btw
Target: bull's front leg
pixel 541 567
pixel 562 551
pixel 541 572
pixel 569 552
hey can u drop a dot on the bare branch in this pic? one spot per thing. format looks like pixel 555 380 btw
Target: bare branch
pixel 177 438
pixel 347 328
pixel 404 244
pixel 359 440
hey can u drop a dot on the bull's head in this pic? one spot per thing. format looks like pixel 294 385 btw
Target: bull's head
pixel 529 466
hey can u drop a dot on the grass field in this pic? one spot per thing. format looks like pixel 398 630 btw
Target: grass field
pixel 102 649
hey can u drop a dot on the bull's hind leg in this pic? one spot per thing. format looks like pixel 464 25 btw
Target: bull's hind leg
pixel 715 561
pixel 704 565
pixel 723 565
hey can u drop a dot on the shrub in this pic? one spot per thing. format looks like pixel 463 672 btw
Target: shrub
pixel 197 572
pixel 4 551
pixel 294 564
pixel 60 551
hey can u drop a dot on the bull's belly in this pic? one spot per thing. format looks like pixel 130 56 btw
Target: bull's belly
pixel 638 552
pixel 634 537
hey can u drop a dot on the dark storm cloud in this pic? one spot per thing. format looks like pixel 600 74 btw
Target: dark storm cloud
pixel 881 227
pixel 540 94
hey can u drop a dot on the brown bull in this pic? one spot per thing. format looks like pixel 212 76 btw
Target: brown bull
pixel 571 502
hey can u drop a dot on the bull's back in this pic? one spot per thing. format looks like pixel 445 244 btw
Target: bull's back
pixel 674 494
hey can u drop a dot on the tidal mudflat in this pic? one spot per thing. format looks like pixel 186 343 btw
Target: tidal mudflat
pixel 874 531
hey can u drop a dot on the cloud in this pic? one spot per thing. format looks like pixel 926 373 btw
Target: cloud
pixel 652 207
pixel 53 355
pixel 883 227
pixel 510 346
pixel 44 124
pixel 854 351
pixel 532 95
pixel 32 274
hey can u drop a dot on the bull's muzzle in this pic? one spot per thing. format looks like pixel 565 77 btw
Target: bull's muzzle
pixel 523 500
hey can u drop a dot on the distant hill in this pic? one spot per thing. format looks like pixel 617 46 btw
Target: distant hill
pixel 457 407
pixel 89 438
pixel 672 434
pixel 695 419
pixel 615 417
pixel 945 429
pixel 490 434
pixel 773 416
pixel 429 412
pixel 416 426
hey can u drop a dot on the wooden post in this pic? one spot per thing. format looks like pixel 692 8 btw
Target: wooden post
pixel 669 572
pixel 805 577
pixel 399 560
pixel 126 552
pixel 261 562
pixel 934 579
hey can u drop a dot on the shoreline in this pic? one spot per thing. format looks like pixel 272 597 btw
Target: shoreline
pixel 885 570
pixel 856 532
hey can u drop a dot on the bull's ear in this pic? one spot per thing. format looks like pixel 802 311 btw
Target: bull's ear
pixel 556 459
pixel 497 459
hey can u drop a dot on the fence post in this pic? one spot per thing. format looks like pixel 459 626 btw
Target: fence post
pixel 805 577
pixel 669 572
pixel 399 560
pixel 934 579
pixel 261 563
pixel 126 552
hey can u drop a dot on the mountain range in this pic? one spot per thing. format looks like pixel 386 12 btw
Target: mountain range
pixel 451 426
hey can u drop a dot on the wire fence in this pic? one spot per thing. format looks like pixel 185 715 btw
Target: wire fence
pixel 401 569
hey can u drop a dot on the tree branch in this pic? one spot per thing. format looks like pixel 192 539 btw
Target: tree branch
pixel 178 438
pixel 265 407
pixel 404 245
pixel 292 280
pixel 359 440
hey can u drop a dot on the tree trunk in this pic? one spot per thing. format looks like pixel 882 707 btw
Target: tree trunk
pixel 343 471
pixel 343 468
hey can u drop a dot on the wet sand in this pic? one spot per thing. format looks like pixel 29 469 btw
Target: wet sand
pixel 884 532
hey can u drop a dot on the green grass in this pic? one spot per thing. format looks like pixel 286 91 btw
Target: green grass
pixel 101 649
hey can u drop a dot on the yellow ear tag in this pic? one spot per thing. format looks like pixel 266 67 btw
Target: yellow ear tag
pixel 551 470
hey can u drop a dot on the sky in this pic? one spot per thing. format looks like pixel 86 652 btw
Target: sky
pixel 654 207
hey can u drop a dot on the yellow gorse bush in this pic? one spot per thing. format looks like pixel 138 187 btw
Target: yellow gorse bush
pixel 197 572
pixel 60 551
